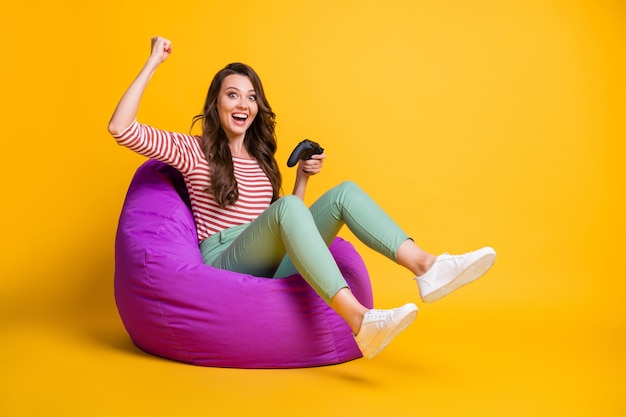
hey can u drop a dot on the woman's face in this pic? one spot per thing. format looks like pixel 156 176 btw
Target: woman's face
pixel 236 105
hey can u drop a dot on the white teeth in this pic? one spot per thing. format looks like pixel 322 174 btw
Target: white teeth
pixel 240 116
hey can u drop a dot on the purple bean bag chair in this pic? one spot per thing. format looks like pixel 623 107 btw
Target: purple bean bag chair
pixel 175 306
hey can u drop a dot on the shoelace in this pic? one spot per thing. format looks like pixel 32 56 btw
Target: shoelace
pixel 446 257
pixel 380 314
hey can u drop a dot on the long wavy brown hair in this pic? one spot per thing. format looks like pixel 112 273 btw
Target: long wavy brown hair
pixel 260 138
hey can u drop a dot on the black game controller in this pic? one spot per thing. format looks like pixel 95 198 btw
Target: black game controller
pixel 305 150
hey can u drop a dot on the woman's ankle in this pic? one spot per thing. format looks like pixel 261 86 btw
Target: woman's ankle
pixel 413 258
pixel 349 308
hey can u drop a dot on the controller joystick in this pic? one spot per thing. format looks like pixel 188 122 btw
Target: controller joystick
pixel 303 151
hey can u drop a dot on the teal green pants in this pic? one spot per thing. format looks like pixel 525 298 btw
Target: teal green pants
pixel 290 237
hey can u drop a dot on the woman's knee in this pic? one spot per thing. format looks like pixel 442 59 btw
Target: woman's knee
pixel 290 205
pixel 289 201
pixel 348 186
pixel 345 190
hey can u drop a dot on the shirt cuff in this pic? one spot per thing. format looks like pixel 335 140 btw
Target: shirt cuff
pixel 125 131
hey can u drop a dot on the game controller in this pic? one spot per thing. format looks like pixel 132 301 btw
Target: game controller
pixel 303 151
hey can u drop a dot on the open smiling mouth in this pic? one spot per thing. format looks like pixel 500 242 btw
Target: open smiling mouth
pixel 240 117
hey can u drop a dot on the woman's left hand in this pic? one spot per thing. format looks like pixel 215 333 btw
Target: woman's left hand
pixel 311 166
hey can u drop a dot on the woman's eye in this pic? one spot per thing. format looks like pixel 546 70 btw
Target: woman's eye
pixel 252 98
pixel 232 95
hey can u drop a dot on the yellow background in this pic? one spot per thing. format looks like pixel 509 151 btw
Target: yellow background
pixel 478 122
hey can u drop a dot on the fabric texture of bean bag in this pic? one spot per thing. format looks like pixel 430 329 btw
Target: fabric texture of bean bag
pixel 174 306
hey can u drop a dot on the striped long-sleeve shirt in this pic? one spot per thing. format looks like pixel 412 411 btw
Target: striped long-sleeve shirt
pixel 183 153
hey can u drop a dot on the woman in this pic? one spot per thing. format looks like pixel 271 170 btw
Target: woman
pixel 245 226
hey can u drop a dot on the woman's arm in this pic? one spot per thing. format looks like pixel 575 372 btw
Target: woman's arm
pixel 126 110
pixel 305 170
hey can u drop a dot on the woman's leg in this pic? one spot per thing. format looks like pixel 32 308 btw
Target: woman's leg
pixel 285 227
pixel 436 276
pixel 288 226
pixel 348 204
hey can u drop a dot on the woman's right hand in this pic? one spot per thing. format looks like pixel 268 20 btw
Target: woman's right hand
pixel 126 110
pixel 161 49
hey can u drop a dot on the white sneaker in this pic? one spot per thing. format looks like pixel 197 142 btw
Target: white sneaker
pixel 450 272
pixel 379 327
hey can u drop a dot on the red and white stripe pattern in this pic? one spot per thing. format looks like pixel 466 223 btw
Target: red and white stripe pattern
pixel 183 153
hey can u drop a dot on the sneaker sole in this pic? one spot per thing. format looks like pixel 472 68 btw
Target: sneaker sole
pixel 400 327
pixel 471 273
